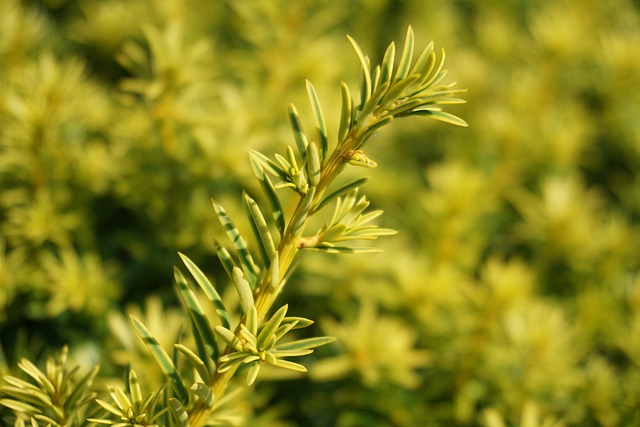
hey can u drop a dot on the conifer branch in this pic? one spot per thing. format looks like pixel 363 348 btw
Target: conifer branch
pixel 386 93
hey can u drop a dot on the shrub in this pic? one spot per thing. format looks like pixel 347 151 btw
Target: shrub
pixel 509 296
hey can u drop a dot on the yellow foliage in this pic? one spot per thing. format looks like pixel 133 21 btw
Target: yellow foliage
pixel 510 297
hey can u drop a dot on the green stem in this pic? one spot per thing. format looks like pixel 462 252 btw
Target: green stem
pixel 288 248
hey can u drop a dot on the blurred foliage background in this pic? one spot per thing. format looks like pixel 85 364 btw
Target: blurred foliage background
pixel 511 296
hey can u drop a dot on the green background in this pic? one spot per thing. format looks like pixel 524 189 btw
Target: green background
pixel 510 296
